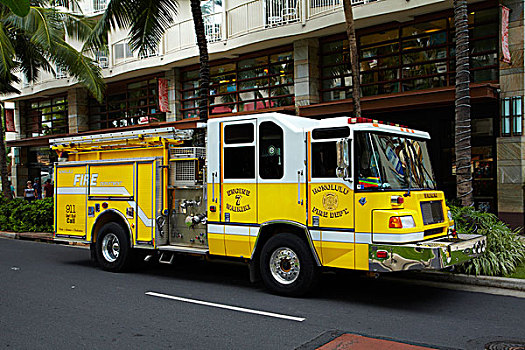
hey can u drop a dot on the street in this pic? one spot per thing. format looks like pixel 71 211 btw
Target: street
pixel 52 297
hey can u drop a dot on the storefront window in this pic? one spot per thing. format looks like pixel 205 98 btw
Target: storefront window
pixel 127 103
pixel 47 117
pixel 410 56
pixel 248 84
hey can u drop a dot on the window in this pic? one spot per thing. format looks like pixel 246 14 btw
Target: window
pixel 271 154
pixel 331 133
pixel 47 117
pixel 249 83
pixel 239 151
pixel 511 116
pixel 409 56
pixel 127 103
pixel 324 159
pixel 238 133
pixel 122 51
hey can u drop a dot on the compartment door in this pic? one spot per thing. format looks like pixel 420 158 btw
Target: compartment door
pixel 71 185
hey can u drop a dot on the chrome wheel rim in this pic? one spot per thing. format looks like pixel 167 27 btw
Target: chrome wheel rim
pixel 110 247
pixel 285 265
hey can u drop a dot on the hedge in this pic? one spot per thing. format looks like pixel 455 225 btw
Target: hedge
pixel 505 250
pixel 18 215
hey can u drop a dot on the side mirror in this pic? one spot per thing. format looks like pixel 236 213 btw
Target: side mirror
pixel 343 159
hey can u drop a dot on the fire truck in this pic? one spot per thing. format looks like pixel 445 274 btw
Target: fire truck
pixel 287 195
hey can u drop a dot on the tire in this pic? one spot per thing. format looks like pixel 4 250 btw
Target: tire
pixel 113 251
pixel 287 266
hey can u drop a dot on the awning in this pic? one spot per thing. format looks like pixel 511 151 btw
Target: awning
pixel 412 100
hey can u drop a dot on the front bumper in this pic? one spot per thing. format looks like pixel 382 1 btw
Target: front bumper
pixel 434 254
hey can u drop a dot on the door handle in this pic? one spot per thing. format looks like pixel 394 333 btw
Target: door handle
pixel 299 174
pixel 213 187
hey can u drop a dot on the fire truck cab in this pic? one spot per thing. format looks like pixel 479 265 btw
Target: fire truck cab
pixel 288 195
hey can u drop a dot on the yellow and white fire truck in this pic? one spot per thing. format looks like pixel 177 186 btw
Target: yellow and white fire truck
pixel 287 195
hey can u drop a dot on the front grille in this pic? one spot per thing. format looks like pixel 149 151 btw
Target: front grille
pixel 433 231
pixel 432 212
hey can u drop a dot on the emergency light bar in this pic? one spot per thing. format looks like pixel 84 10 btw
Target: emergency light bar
pixel 359 120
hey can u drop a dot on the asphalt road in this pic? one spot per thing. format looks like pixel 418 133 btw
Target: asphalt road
pixel 52 298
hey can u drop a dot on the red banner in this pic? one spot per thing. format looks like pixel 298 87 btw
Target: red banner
pixel 505 34
pixel 163 95
pixel 10 120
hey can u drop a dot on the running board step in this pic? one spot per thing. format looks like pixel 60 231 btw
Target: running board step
pixel 183 249
pixel 166 258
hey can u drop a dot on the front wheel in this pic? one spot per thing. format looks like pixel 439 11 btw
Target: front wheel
pixel 287 265
pixel 113 251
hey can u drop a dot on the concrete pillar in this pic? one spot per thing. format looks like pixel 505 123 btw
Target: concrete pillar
pixel 511 175
pixel 511 150
pixel 78 110
pixel 19 169
pixel 306 72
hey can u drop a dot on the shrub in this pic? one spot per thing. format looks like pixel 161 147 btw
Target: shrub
pixel 18 215
pixel 504 251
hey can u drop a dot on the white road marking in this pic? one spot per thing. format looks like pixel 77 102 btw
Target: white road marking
pixel 228 307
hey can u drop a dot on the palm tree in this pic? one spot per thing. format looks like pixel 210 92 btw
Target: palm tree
pixel 354 61
pixel 204 73
pixel 19 7
pixel 37 42
pixel 462 111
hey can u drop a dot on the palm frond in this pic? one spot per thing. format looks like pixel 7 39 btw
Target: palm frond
pixel 118 14
pixel 7 54
pixel 7 85
pixel 153 18
pixel 79 66
pixel 31 58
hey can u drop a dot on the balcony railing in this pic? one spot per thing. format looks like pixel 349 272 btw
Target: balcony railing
pixel 99 5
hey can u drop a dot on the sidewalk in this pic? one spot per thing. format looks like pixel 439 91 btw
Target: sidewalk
pixel 435 276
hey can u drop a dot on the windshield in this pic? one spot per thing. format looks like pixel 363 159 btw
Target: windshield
pixel 387 161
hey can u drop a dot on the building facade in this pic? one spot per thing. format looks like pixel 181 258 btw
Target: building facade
pixel 292 56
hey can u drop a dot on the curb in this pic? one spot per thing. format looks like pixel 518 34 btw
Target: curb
pixel 36 236
pixel 483 281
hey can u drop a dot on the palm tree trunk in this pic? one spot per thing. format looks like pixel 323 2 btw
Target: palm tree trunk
pixel 204 73
pixel 6 189
pixel 462 112
pixel 354 60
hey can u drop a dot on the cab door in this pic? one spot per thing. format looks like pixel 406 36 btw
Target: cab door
pixel 330 200
pixel 282 174
pixel 238 184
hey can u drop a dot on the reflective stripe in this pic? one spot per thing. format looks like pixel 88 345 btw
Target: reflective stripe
pixel 109 191
pixel 363 237
pixel 316 235
pixel 237 230
pixel 398 238
pixel 71 190
pixel 142 215
pixel 335 236
pixel 216 229
pixel 254 231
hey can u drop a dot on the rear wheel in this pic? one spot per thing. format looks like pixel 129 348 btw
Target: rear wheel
pixel 113 250
pixel 287 265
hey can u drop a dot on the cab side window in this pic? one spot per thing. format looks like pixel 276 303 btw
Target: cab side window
pixel 324 159
pixel 271 154
pixel 239 151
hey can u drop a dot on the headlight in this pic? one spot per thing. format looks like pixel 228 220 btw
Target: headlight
pixel 408 221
